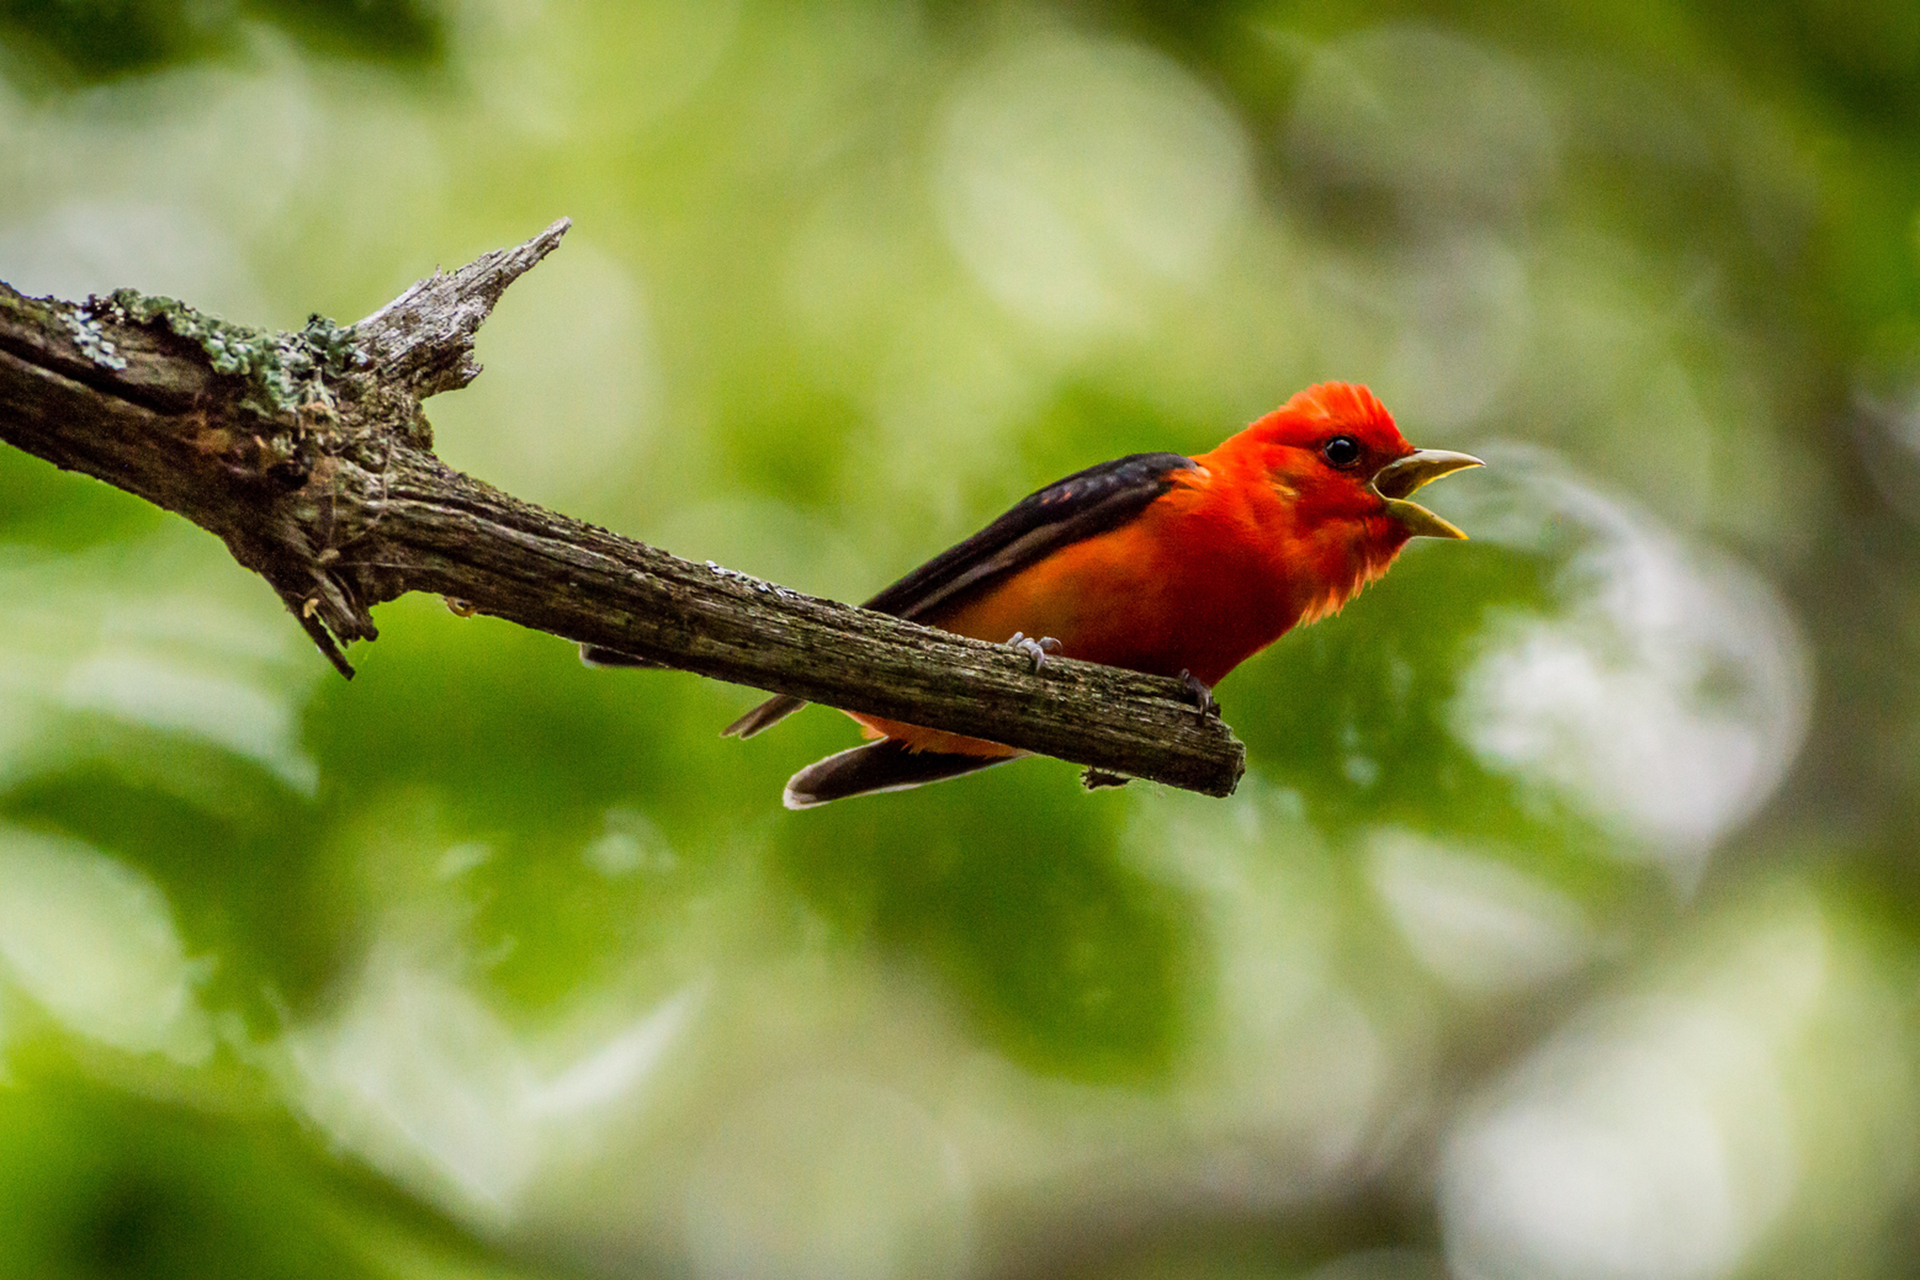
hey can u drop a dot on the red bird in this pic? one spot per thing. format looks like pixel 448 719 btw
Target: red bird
pixel 1177 566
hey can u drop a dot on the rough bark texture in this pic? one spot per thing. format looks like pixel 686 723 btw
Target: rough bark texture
pixel 309 456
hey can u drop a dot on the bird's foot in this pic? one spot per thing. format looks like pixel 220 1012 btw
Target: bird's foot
pixel 1094 779
pixel 1035 649
pixel 1202 696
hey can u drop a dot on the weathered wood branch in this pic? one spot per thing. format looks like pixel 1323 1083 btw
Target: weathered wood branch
pixel 308 454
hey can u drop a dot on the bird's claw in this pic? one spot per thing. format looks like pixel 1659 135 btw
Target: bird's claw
pixel 1202 696
pixel 1035 649
pixel 1096 779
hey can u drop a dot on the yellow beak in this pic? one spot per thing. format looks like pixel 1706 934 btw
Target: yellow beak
pixel 1402 476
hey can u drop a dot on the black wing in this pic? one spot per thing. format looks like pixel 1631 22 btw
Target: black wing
pixel 1084 505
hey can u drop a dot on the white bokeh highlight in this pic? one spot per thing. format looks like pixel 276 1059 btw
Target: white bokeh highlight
pixel 421 1077
pixel 1446 125
pixel 541 70
pixel 829 1177
pixel 1293 1059
pixel 134 185
pixel 1665 696
pixel 1479 924
pixel 574 383
pixel 1074 176
pixel 93 942
pixel 89 635
pixel 1447 323
pixel 1652 1139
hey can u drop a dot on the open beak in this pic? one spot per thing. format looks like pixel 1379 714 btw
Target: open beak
pixel 1402 476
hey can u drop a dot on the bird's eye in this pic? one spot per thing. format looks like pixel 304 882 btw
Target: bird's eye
pixel 1341 451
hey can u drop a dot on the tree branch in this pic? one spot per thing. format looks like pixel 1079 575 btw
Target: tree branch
pixel 308 454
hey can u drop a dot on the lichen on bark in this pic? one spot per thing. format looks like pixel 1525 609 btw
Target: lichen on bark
pixel 281 370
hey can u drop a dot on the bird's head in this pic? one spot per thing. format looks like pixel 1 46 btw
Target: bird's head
pixel 1335 456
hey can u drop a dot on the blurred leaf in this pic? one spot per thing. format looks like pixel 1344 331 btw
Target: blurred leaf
pixel 1352 710
pixel 399 31
pixel 94 1184
pixel 97 40
pixel 94 40
pixel 239 871
pixel 1073 962
pixel 99 1183
pixel 508 723
pixel 41 505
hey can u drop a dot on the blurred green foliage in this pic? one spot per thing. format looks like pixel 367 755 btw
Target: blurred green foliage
pixel 1565 924
pixel 85 41
pixel 95 39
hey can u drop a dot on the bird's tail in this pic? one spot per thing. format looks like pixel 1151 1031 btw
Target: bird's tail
pixel 886 765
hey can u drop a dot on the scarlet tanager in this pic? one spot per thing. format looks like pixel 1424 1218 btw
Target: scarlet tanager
pixel 1178 566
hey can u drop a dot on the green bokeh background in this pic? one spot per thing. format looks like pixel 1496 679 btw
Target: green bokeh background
pixel 1564 925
